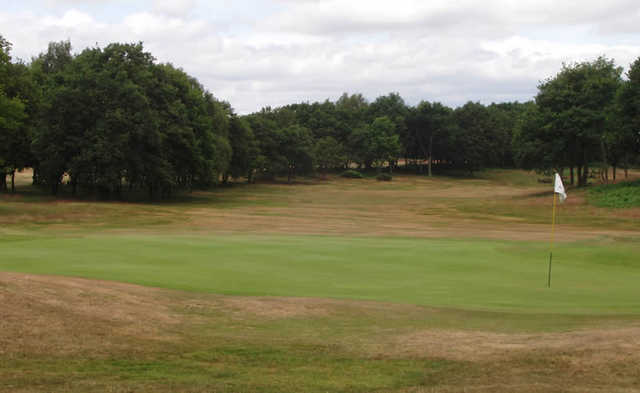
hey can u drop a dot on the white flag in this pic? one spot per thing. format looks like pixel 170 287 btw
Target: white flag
pixel 558 188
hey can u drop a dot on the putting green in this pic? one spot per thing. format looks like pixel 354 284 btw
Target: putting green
pixel 469 274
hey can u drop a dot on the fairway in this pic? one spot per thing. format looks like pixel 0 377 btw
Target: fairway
pixel 588 277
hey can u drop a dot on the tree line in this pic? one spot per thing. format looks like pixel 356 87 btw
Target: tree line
pixel 111 121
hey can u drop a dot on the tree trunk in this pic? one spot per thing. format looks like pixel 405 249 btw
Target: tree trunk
pixel 605 163
pixel 571 172
pixel 626 166
pixel 579 173
pixel 13 181
pixel 430 153
pixel 585 175
pixel 3 181
pixel 614 173
pixel 250 176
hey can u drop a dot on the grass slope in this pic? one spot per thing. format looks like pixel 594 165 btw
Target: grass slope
pixel 588 277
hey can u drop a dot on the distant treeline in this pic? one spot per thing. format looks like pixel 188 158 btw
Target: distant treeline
pixel 111 121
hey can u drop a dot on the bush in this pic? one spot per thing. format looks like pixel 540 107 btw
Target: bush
pixel 621 195
pixel 351 174
pixel 384 177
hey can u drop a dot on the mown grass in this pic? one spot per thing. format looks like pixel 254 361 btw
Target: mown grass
pixel 588 277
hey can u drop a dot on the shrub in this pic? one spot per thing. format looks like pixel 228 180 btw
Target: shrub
pixel 351 174
pixel 619 195
pixel 384 177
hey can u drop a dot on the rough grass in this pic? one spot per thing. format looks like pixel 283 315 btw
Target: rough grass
pixel 410 206
pixel 74 335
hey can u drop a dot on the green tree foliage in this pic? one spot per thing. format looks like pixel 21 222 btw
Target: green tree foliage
pixel 15 91
pixel 472 141
pixel 428 124
pixel 628 102
pixel 265 126
pixel 574 106
pixel 244 147
pixel 381 142
pixel 113 119
pixel 351 114
pixel 394 108
pixel 295 145
pixel 328 153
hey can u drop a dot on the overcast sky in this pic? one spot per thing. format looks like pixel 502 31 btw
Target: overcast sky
pixel 276 52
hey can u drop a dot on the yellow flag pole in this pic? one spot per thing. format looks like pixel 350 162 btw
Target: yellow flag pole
pixel 553 227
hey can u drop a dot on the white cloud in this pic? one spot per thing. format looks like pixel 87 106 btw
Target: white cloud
pixel 179 8
pixel 313 50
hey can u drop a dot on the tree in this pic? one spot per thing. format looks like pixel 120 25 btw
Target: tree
pixel 426 122
pixel 112 118
pixel 265 128
pixel 351 115
pixel 382 144
pixel 574 106
pixel 628 103
pixel 244 158
pixel 49 145
pixel 14 122
pixel 295 145
pixel 328 153
pixel 394 108
pixel 471 138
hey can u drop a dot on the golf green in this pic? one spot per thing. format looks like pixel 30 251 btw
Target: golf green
pixel 588 277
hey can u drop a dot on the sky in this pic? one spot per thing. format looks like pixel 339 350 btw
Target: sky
pixel 276 52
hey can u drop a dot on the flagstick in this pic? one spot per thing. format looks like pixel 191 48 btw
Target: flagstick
pixel 553 226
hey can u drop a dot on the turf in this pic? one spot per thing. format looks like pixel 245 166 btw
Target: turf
pixel 588 277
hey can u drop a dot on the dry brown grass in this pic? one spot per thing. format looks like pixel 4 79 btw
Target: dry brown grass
pixel 71 317
pixel 413 207
pixel 410 206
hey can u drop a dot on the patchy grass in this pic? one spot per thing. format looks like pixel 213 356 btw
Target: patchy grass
pixel 410 206
pixel 74 335
pixel 340 285
pixel 620 195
